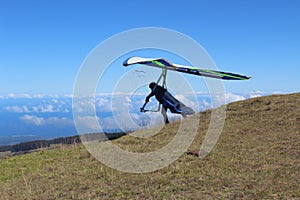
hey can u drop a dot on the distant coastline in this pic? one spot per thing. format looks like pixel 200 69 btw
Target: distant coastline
pixel 25 147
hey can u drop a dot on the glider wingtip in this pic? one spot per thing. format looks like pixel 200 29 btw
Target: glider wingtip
pixel 125 63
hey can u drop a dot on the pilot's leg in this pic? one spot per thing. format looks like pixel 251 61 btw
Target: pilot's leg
pixel 164 113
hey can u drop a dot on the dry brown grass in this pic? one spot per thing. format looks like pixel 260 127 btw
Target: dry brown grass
pixel 257 157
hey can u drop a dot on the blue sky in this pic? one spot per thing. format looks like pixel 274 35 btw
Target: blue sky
pixel 43 43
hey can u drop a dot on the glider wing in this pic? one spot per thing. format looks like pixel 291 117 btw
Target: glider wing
pixel 163 63
pixel 154 62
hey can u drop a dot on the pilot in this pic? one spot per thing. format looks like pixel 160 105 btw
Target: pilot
pixel 167 101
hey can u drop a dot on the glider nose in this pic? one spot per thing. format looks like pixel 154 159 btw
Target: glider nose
pixel 125 63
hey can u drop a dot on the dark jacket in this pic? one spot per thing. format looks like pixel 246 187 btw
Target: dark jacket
pixel 159 92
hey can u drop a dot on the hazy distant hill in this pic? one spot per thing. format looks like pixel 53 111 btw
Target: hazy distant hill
pixel 256 157
pixel 25 147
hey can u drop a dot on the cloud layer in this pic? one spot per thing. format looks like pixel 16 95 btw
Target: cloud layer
pixel 113 112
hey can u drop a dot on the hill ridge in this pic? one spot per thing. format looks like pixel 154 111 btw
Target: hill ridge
pixel 256 157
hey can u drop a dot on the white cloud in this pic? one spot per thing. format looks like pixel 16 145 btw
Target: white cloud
pixel 120 103
pixel 103 104
pixel 54 100
pixel 68 96
pixel 12 95
pixel 40 121
pixel 35 109
pixel 131 121
pixel 63 121
pixel 229 97
pixel 205 105
pixel 190 102
pixel 47 109
pixel 83 105
pixel 17 109
pixel 222 99
pixel 254 95
pixel 108 123
pixel 32 119
pixel 29 96
pixel 87 124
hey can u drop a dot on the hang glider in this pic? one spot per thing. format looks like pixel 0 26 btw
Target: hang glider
pixel 166 65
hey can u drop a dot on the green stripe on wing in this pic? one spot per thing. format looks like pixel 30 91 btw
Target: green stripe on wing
pixel 226 74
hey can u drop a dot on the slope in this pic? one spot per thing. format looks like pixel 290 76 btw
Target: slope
pixel 256 157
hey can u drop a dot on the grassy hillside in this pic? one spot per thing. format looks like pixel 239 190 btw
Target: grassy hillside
pixel 256 157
